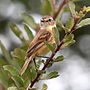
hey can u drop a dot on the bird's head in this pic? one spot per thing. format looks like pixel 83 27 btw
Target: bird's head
pixel 47 22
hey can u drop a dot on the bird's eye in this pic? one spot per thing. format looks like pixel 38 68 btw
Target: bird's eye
pixel 49 20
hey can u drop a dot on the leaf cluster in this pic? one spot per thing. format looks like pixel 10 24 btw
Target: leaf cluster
pixel 10 78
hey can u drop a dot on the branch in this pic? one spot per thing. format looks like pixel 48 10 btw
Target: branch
pixel 50 59
pixel 60 8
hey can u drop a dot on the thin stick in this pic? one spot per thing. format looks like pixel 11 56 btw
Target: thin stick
pixel 60 8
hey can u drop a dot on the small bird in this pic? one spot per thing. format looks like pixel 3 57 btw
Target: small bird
pixel 37 46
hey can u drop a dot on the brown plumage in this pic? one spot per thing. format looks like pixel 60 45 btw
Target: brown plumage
pixel 37 46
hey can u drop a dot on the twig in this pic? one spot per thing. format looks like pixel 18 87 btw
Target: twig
pixel 60 8
pixel 54 53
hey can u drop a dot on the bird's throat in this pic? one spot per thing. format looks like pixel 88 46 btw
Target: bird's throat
pixel 48 27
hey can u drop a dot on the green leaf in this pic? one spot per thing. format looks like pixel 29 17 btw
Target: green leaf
pixel 15 88
pixel 19 56
pixel 24 47
pixel 69 24
pixel 29 74
pixel 84 22
pixel 46 7
pixel 3 78
pixel 6 53
pixel 68 38
pixel 72 8
pixel 12 88
pixel 18 81
pixel 44 87
pixel 29 32
pixel 52 75
pixel 33 88
pixel 2 61
pixel 22 88
pixel 80 15
pixel 33 71
pixel 59 58
pixel 11 69
pixel 56 35
pixel 61 25
pixel 29 20
pixel 86 9
pixel 17 32
pixel 68 43
pixel 51 46
pixel 18 53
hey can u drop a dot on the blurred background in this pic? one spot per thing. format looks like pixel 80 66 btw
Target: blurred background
pixel 75 69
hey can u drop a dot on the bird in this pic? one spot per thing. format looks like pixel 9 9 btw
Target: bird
pixel 37 45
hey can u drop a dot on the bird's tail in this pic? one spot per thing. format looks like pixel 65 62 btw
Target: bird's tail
pixel 27 62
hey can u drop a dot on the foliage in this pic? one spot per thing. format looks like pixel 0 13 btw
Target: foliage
pixel 10 78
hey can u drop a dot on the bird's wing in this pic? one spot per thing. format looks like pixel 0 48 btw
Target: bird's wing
pixel 38 41
pixel 36 44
